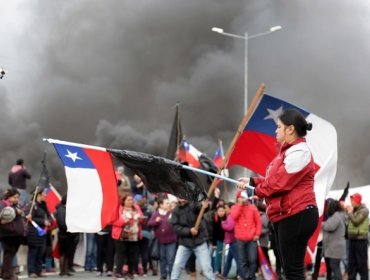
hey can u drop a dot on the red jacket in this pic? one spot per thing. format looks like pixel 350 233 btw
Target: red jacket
pixel 247 221
pixel 288 185
pixel 120 223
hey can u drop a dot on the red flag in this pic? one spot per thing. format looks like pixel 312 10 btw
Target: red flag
pixel 266 270
pixel 52 199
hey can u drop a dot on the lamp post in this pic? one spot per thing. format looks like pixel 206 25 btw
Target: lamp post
pixel 246 38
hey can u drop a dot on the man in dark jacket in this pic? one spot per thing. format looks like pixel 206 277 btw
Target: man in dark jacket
pixel 17 179
pixel 190 239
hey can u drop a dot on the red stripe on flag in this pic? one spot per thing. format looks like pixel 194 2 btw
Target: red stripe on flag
pixel 254 150
pixel 104 166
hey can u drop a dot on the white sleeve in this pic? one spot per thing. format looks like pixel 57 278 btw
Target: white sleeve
pixel 297 157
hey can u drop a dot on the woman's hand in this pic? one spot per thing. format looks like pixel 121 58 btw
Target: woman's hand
pixel 242 182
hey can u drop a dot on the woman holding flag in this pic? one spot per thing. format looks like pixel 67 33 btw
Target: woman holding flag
pixel 289 193
pixel 39 218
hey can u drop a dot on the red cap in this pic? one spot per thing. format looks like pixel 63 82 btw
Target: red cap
pixel 357 198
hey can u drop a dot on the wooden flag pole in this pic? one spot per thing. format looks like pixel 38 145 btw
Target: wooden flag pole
pixel 225 160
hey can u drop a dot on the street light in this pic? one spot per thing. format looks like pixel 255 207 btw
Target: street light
pixel 246 38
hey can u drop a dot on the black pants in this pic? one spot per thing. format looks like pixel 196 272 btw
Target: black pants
pixel 127 252
pixel 144 253
pixel 292 235
pixel 357 259
pixel 105 252
pixel 10 248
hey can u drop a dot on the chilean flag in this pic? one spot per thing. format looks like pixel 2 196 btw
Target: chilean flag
pixel 189 153
pixel 266 270
pixel 92 197
pixel 52 199
pixel 217 158
pixel 257 145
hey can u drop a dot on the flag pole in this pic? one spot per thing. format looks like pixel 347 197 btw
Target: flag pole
pixel 213 175
pixel 223 156
pixel 225 160
pixel 38 183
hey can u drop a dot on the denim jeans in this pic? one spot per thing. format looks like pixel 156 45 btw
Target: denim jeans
pixel 333 269
pixel 22 197
pixel 247 251
pixel 233 254
pixel 202 254
pixel 90 259
pixel 167 258
pixel 217 257
pixel 34 259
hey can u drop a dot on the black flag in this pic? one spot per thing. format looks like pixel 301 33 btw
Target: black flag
pixel 175 136
pixel 345 193
pixel 162 175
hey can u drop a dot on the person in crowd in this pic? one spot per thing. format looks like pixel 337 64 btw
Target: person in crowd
pixel 334 243
pixel 65 238
pixel 138 187
pixel 247 228
pixel 123 180
pixel 146 233
pixel 190 239
pixel 264 238
pixel 218 236
pixel 90 255
pixel 12 231
pixel 289 193
pixel 167 238
pixel 126 232
pixel 17 178
pixel 358 229
pixel 228 226
pixel 105 251
pixel 38 213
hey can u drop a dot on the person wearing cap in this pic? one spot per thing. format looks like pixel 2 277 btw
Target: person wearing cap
pixel 288 190
pixel 248 227
pixel 358 227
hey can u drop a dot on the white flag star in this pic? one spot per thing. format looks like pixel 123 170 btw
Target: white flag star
pixel 274 114
pixel 72 156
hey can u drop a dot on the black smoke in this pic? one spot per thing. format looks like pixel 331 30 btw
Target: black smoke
pixel 110 72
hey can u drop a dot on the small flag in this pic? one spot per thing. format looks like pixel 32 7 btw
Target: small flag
pixel 218 157
pixel 266 270
pixel 40 231
pixel 52 198
pixel 188 153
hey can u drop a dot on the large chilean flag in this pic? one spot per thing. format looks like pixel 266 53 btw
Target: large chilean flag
pixel 92 197
pixel 257 145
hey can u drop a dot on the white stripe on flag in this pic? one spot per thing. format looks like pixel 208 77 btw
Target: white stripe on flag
pixel 322 140
pixel 84 200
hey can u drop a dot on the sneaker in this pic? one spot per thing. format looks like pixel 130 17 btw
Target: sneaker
pixel 33 275
pixel 109 273
pixel 99 273
pixel 119 276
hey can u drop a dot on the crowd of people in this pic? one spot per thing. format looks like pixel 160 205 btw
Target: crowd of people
pixel 163 235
